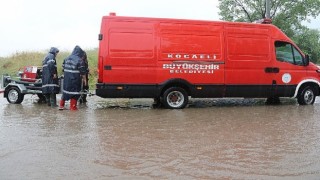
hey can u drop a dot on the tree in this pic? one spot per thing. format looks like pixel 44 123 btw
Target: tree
pixel 309 41
pixel 288 15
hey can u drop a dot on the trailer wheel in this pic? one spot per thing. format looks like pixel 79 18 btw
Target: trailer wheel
pixel 175 98
pixel 307 96
pixel 14 95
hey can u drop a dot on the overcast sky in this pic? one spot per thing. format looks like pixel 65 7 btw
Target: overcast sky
pixel 39 24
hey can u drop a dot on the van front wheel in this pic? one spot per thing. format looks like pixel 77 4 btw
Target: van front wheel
pixel 175 98
pixel 307 96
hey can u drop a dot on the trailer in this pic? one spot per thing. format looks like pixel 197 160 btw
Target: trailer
pixel 28 82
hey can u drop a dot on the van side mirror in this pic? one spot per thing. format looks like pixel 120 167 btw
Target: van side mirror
pixel 307 60
pixel 100 37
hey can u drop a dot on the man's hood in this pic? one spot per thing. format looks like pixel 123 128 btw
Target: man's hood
pixel 77 51
pixel 54 50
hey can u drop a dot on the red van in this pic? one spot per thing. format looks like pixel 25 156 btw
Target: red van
pixel 172 59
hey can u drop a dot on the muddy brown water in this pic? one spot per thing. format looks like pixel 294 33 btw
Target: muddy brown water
pixel 127 139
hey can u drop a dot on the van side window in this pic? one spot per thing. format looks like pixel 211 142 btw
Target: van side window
pixel 297 57
pixel 286 52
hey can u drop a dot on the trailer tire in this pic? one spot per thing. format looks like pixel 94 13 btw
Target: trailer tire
pixel 14 96
pixel 175 98
pixel 307 95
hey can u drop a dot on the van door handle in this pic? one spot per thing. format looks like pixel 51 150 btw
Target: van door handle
pixel 271 70
pixel 107 67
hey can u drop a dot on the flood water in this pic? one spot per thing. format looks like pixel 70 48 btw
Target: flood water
pixel 127 139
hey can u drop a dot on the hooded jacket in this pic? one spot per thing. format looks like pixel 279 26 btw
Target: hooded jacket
pixel 73 68
pixel 49 68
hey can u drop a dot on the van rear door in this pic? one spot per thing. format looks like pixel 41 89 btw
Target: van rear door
pixel 131 49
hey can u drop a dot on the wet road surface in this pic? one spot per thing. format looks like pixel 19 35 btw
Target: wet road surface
pixel 127 139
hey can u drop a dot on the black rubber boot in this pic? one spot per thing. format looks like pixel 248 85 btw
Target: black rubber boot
pixel 53 100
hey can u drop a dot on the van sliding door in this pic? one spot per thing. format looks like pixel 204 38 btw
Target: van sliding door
pixel 248 60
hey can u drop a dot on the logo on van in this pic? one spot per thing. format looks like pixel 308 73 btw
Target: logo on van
pixel 286 78
pixel 191 68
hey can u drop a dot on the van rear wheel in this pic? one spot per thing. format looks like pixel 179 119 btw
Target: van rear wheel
pixel 175 98
pixel 307 96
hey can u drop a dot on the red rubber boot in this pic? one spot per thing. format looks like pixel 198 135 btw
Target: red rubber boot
pixel 61 106
pixel 73 105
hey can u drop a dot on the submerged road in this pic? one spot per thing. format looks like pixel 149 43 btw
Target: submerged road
pixel 127 139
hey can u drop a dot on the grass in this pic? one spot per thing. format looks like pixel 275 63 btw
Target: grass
pixel 12 64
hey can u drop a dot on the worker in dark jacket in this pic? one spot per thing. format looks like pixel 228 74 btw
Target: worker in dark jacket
pixel 74 75
pixel 50 86
pixel 85 85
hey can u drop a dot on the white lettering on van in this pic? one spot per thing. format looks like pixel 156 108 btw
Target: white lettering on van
pixel 192 56
pixel 165 66
pixel 191 68
pixel 170 55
